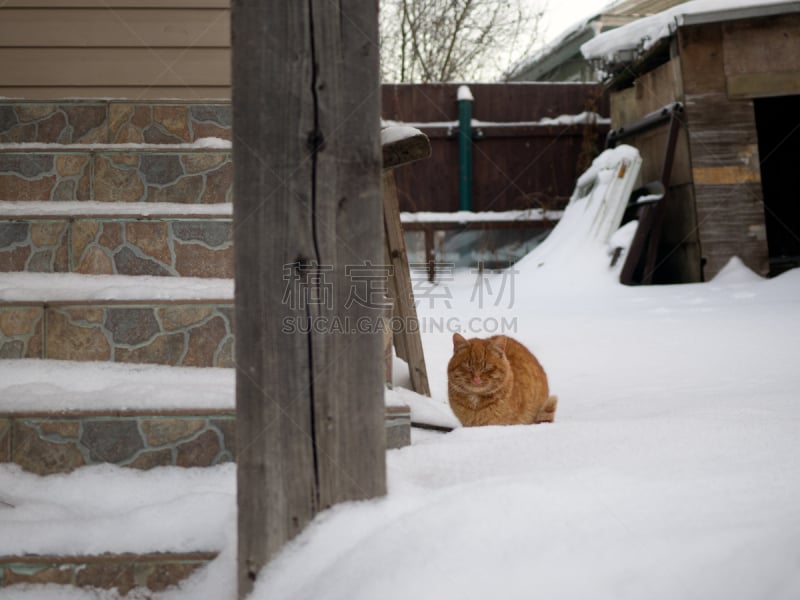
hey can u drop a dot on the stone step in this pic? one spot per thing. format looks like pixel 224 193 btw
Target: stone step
pixel 112 121
pixel 59 442
pixel 126 572
pixel 56 416
pixel 174 332
pixel 101 239
pixel 176 321
pixel 189 173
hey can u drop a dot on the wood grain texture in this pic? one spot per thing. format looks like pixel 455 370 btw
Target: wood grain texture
pixel 727 180
pixel 759 46
pixel 307 174
pixel 764 85
pixel 722 131
pixel 678 255
pixel 405 151
pixel 730 221
pixel 408 343
pixel 653 90
pixel 701 57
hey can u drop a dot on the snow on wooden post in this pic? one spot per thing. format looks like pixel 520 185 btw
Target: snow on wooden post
pixel 309 281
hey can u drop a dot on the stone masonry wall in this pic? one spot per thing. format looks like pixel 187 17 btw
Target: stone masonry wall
pixel 153 573
pixel 120 175
pixel 189 177
pixel 185 247
pixel 52 443
pixel 198 335
pixel 112 122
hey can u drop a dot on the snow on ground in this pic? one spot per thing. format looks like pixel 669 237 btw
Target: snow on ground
pixel 671 470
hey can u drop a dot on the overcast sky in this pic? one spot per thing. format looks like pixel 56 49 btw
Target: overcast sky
pixel 560 15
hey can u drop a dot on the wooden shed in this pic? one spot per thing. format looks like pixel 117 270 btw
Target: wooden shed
pixel 733 77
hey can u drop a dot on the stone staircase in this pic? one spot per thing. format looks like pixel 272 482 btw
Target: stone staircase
pixel 116 246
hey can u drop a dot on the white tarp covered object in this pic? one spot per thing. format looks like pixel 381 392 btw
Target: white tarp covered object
pixel 591 218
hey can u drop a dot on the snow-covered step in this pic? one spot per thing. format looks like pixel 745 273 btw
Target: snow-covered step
pixel 158 320
pixel 199 172
pixel 144 573
pixel 57 416
pixel 120 238
pixel 106 527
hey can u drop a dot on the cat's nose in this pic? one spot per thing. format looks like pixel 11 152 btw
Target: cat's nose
pixel 476 379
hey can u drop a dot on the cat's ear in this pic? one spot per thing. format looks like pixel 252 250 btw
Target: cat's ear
pixel 459 342
pixel 499 343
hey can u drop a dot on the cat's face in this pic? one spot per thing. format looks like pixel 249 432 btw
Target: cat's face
pixel 477 366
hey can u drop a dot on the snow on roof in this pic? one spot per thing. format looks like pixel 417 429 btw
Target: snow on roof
pixel 569 34
pixel 642 34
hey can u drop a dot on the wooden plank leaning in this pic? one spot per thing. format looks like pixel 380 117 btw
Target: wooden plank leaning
pixel 401 146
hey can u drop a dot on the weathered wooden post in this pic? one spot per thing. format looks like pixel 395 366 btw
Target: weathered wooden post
pixel 307 216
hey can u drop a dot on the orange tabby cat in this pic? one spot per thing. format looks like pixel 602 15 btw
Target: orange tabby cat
pixel 497 381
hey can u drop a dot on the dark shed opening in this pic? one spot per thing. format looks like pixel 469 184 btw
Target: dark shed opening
pixel 778 126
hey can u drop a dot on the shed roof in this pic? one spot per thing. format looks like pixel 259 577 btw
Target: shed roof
pixel 627 43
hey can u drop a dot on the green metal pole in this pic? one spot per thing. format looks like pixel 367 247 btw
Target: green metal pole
pixel 465 100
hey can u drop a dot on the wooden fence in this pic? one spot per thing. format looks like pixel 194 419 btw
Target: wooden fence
pixel 518 161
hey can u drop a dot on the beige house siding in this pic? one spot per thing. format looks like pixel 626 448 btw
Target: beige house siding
pixel 133 49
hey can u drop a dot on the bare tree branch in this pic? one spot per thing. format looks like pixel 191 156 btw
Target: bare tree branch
pixel 449 40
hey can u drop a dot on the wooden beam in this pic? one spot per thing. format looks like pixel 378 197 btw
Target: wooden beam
pixel 408 343
pixel 764 85
pixel 406 150
pixel 760 56
pixel 307 211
